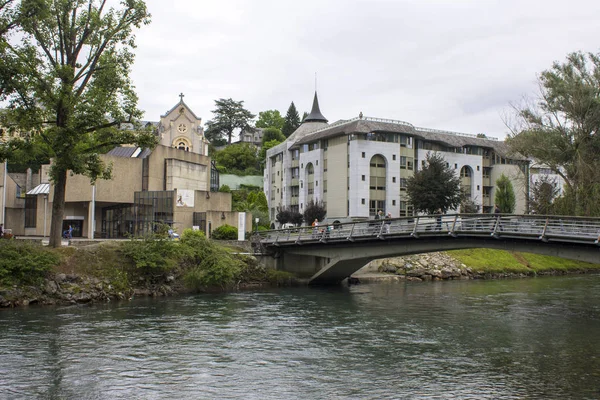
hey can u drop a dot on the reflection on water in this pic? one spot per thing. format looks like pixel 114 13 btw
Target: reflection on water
pixel 512 339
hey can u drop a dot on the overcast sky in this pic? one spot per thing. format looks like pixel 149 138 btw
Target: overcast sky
pixel 453 65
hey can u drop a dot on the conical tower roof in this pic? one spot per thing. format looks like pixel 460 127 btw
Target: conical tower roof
pixel 315 114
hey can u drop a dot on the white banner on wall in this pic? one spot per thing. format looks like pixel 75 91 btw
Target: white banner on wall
pixel 241 225
pixel 185 198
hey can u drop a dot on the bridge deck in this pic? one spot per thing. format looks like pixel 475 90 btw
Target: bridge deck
pixel 545 228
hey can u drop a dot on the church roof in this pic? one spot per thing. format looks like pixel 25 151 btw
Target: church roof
pixel 315 114
pixel 179 104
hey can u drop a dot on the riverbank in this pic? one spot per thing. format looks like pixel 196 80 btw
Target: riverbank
pixel 155 266
pixel 469 264
pixel 121 270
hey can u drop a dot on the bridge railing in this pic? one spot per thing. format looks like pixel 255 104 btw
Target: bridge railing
pixel 574 229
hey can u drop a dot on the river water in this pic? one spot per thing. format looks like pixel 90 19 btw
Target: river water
pixel 535 338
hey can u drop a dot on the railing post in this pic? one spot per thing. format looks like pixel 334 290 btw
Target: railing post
pixel 351 232
pixel 323 235
pixel 414 232
pixel 543 236
pixel 496 225
pixel 452 233
pixel 381 229
pixel 299 235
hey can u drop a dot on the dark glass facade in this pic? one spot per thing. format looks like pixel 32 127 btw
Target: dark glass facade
pixel 214 177
pixel 200 220
pixel 30 211
pixel 139 218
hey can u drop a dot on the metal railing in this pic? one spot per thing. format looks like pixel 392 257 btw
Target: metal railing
pixel 538 227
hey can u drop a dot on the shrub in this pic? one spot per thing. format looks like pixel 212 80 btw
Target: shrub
pixel 280 278
pixel 225 232
pixel 225 189
pixel 208 264
pixel 25 262
pixel 152 253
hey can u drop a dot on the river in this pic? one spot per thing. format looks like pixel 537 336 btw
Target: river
pixel 535 338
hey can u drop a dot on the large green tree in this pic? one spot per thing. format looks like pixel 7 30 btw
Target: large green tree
pixel 505 195
pixel 8 16
pixel 561 128
pixel 239 159
pixel 270 119
pixel 272 134
pixel 262 154
pixel 292 121
pixel 230 115
pixel 435 187
pixel 542 194
pixel 65 77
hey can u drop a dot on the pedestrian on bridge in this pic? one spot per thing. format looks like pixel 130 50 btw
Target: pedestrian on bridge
pixel 315 226
pixel 388 222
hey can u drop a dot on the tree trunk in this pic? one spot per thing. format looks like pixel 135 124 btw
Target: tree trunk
pixel 58 208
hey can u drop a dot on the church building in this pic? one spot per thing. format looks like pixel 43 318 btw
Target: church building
pixel 175 184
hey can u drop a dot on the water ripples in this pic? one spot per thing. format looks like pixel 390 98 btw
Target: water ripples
pixel 453 340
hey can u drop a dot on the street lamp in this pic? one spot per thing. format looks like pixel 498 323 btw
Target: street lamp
pixel 45 213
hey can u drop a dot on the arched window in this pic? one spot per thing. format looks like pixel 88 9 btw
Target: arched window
pixel 466 180
pixel 310 181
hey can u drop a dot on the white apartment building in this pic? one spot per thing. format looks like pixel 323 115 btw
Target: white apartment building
pixel 361 165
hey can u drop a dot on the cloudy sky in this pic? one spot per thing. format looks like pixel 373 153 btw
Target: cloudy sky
pixel 453 65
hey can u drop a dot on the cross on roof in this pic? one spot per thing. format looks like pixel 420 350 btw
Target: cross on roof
pixel 181 96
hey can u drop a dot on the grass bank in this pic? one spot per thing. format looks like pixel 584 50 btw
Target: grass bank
pixel 489 261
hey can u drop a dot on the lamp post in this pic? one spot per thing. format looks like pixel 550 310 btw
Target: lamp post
pixel 45 213
pixel 256 220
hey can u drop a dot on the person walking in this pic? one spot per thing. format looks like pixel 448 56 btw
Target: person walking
pixel 315 226
pixel 388 222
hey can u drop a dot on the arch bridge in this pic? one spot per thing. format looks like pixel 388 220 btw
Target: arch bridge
pixel 329 254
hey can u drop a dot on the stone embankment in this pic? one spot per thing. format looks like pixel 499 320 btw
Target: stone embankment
pixel 422 267
pixel 77 289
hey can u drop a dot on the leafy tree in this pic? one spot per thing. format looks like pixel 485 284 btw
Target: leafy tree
pixel 270 119
pixel 286 215
pixel 7 16
pixel 435 187
pixel 543 192
pixel 561 128
pixel 469 206
pixel 239 159
pixel 262 154
pixel 314 210
pixel 255 203
pixel 272 134
pixel 292 121
pixel 229 116
pixel 505 195
pixel 66 82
